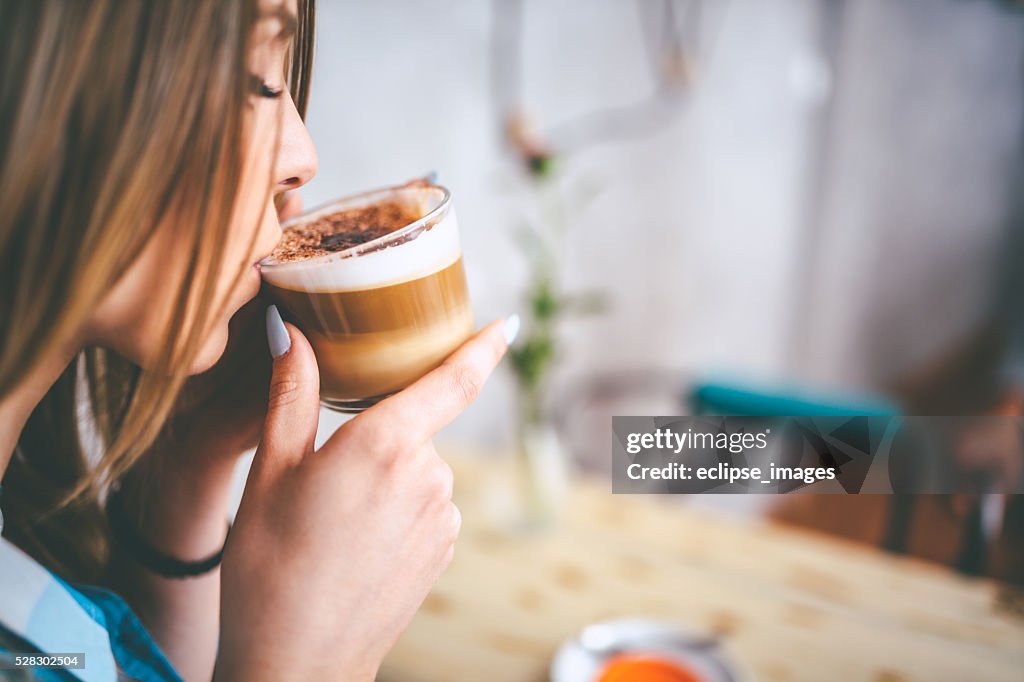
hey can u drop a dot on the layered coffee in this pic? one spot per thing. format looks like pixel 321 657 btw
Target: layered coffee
pixel 376 284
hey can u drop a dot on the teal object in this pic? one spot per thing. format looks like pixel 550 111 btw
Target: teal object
pixel 726 400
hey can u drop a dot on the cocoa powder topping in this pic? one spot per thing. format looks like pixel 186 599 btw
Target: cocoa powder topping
pixel 342 230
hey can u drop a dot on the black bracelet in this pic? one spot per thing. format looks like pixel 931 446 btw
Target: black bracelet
pixel 129 538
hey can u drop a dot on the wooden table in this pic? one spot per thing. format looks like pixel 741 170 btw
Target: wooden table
pixel 790 604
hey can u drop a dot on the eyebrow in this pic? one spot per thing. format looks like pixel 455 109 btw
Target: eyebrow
pixel 289 22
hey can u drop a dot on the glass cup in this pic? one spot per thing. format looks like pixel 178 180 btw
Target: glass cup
pixel 383 313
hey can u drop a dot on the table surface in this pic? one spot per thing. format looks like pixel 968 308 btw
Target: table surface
pixel 789 604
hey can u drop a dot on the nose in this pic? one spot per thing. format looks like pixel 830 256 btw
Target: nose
pixel 296 157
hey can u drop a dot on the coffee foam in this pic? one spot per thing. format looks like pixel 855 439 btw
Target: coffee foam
pixel 432 250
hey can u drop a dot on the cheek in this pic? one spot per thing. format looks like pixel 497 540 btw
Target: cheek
pixel 132 318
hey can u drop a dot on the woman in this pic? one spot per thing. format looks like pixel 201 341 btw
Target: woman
pixel 143 147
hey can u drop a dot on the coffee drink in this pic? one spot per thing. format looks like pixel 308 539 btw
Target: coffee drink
pixel 376 284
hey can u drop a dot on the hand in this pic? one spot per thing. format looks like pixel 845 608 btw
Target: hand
pixel 333 551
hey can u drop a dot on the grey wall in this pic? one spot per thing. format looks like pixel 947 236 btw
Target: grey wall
pixel 925 144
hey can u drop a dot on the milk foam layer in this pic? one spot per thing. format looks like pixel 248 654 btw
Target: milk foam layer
pixel 432 250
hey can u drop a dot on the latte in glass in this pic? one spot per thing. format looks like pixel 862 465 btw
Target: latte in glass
pixel 376 283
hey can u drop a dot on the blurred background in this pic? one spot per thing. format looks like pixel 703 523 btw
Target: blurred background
pixel 814 200
pixel 785 195
pixel 781 191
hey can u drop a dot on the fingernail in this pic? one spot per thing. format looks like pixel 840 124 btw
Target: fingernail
pixel 277 334
pixel 511 328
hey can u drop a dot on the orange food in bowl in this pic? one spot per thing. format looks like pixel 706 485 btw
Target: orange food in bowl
pixel 639 668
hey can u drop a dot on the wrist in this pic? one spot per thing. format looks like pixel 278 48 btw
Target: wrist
pixel 262 665
pixel 129 539
pixel 180 510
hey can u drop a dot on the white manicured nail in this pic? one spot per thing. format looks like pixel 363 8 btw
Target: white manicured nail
pixel 511 328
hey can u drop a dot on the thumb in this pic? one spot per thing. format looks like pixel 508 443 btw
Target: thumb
pixel 293 408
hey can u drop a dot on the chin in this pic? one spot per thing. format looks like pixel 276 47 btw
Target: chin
pixel 211 351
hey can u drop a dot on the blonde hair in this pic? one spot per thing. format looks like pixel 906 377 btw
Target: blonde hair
pixel 113 115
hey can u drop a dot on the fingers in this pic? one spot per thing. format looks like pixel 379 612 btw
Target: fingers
pixel 293 406
pixel 440 485
pixel 430 474
pixel 425 407
pixel 454 525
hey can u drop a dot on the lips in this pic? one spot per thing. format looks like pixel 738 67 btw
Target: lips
pixel 259 261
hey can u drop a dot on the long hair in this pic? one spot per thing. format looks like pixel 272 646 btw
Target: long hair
pixel 113 115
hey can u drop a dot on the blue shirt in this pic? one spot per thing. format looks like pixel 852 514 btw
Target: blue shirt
pixel 46 614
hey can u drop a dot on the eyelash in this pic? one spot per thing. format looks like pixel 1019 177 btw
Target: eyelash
pixel 258 86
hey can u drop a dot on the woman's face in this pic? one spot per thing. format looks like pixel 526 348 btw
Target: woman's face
pixel 132 318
